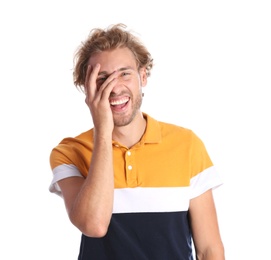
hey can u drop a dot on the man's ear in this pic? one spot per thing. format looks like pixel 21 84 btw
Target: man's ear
pixel 143 77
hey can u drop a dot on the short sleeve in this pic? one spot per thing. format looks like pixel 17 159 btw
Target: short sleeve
pixel 204 175
pixel 61 172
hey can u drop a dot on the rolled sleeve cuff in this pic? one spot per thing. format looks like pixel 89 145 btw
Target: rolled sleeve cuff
pixel 61 172
pixel 208 179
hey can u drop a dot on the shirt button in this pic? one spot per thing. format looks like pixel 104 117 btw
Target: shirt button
pixel 129 153
pixel 130 167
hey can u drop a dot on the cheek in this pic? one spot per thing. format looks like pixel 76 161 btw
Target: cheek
pixel 126 80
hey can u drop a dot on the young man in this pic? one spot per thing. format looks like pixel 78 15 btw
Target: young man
pixel 135 187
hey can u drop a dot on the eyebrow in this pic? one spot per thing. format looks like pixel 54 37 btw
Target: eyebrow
pixel 120 69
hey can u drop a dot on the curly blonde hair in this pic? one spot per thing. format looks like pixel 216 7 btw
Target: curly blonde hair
pixel 115 36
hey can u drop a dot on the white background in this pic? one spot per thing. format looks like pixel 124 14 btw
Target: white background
pixel 212 74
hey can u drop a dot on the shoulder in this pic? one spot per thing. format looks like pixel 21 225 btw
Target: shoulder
pixel 170 132
pixel 173 128
pixel 69 144
pixel 84 137
pixel 167 128
pixel 72 150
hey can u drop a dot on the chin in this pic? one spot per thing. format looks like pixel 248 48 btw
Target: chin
pixel 123 120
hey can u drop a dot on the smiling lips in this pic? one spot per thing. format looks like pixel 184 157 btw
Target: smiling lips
pixel 119 102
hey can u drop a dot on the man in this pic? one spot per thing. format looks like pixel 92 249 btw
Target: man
pixel 135 187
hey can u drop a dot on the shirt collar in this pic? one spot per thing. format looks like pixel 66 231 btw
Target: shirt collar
pixel 152 134
pixel 153 130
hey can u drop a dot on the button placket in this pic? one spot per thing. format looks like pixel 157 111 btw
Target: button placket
pixel 130 172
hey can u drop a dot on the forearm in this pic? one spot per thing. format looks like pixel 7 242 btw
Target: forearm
pixel 212 254
pixel 92 209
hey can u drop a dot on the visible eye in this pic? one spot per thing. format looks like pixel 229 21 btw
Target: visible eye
pixel 101 80
pixel 125 73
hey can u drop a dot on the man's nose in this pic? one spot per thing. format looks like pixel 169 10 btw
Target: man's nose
pixel 118 86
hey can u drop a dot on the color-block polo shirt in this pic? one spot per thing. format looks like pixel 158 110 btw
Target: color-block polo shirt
pixel 154 182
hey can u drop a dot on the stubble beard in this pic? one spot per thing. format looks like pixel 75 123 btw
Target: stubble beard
pixel 127 119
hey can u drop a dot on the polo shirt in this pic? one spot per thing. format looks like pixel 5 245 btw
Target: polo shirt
pixel 154 182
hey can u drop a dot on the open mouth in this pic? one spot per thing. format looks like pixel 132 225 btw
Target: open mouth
pixel 119 103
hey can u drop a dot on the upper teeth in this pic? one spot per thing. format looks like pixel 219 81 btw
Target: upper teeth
pixel 119 101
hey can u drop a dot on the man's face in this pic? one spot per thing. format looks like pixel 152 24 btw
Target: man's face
pixel 126 96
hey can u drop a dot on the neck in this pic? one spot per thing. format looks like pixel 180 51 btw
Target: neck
pixel 130 134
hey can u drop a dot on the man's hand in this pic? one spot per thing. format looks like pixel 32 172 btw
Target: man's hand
pixel 97 99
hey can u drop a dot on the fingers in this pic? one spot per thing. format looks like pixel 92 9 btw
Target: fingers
pixel 90 80
pixel 96 90
pixel 107 87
